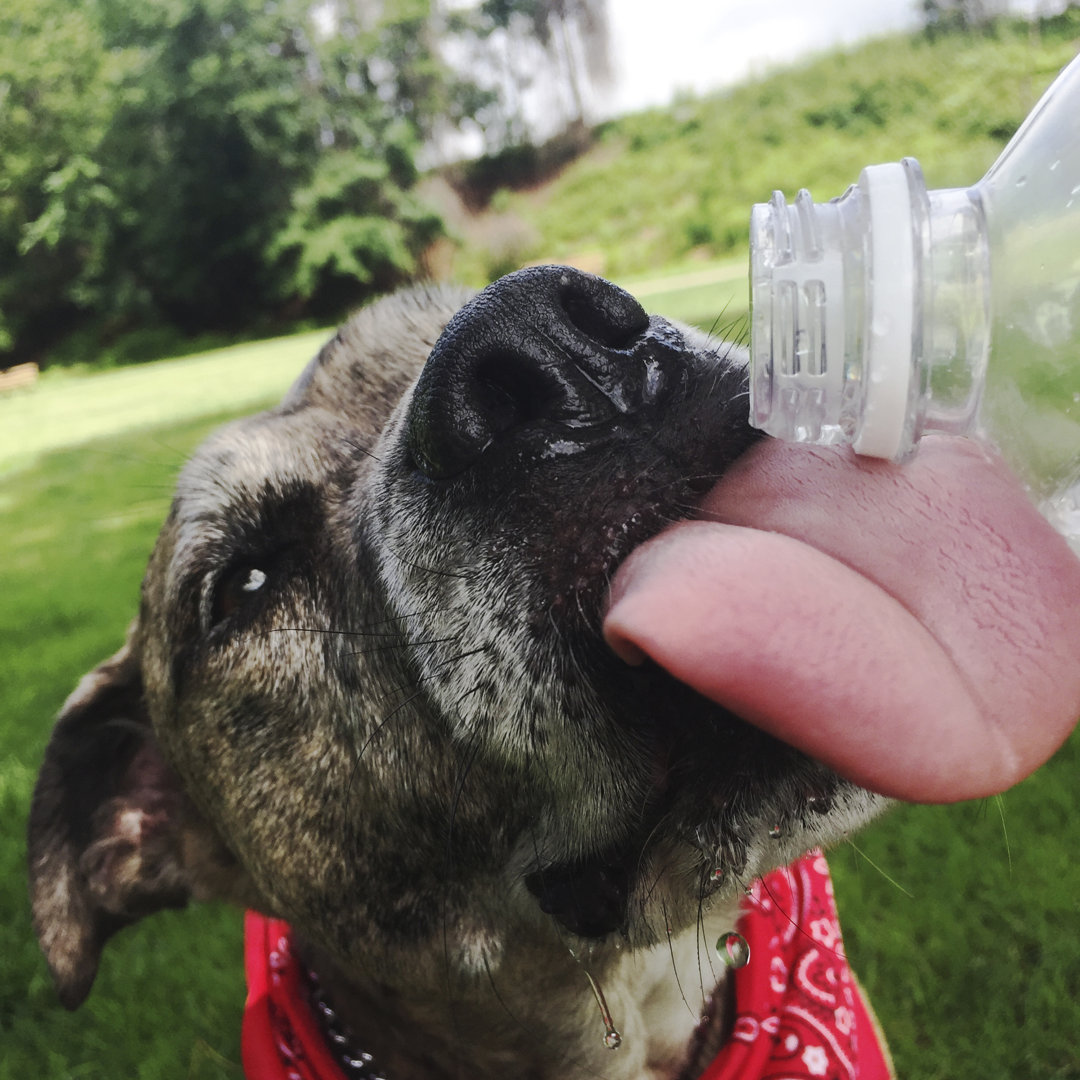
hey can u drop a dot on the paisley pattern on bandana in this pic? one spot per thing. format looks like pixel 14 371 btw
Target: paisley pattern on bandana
pixel 799 1012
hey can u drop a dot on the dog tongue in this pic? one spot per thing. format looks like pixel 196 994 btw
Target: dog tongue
pixel 915 627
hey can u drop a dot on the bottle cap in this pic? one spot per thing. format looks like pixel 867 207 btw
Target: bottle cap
pixel 890 313
pixel 833 289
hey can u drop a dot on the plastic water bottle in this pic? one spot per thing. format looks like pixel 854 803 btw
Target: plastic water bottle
pixel 893 310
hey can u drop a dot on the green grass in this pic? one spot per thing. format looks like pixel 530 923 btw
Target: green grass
pixel 973 965
pixel 77 527
pixel 976 973
pixel 714 296
pixel 67 409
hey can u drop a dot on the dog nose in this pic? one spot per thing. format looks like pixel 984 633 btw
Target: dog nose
pixel 549 352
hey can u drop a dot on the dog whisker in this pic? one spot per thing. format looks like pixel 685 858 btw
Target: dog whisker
pixel 366 630
pixel 674 964
pixel 436 671
pixel 396 646
pixel 434 571
pixel 892 881
pixel 351 444
pixel 375 732
pixel 702 941
pixel 566 1059
pixel 502 1001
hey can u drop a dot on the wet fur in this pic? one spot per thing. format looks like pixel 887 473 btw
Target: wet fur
pixel 412 738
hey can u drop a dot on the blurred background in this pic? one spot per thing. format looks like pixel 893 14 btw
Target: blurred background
pixel 193 191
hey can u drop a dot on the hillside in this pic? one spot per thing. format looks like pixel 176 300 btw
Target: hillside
pixel 671 186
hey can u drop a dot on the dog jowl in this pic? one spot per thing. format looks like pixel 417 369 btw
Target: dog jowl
pixel 366 692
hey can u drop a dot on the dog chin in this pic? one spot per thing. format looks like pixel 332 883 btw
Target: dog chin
pixel 724 804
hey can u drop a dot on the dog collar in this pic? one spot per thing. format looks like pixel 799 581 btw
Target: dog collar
pixel 799 1013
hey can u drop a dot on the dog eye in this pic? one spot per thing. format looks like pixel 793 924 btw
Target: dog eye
pixel 236 588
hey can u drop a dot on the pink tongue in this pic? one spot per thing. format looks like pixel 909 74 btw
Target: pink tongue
pixel 917 627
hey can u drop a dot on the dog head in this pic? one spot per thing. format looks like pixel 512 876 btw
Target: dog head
pixel 367 691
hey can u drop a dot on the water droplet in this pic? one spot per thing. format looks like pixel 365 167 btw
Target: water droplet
pixel 718 874
pixel 612 1038
pixel 776 832
pixel 1055 165
pixel 1021 182
pixel 733 949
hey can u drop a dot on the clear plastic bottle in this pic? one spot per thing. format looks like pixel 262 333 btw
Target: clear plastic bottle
pixel 894 310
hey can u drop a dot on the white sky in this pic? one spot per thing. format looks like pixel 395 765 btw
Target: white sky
pixel 662 46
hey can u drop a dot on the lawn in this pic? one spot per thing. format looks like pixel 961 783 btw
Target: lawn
pixel 963 922
pixel 77 526
pixel 68 410
pixel 694 294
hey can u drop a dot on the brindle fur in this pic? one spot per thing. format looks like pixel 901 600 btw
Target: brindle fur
pixel 413 729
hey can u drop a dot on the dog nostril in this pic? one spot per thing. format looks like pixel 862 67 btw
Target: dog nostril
pixel 510 392
pixel 603 312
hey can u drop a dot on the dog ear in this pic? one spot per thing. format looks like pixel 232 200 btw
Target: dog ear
pixel 110 827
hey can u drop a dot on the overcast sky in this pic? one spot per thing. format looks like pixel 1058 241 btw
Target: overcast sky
pixel 661 46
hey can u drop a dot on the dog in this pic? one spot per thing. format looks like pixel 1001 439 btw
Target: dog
pixel 366 696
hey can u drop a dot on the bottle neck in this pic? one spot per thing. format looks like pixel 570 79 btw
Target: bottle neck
pixel 955 310
pixel 870 313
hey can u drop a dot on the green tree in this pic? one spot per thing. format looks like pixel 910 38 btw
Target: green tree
pixel 381 87
pixel 524 46
pixel 57 87
pixel 208 164
pixel 575 35
pixel 943 16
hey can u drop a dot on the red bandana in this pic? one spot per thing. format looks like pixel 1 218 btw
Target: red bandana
pixel 799 1013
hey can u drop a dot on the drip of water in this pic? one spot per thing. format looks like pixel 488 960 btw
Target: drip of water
pixel 733 949
pixel 612 1038
pixel 776 832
